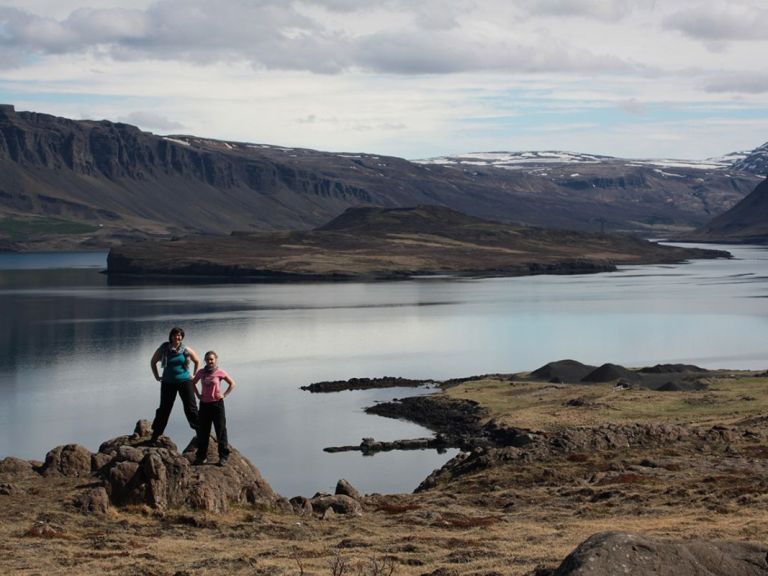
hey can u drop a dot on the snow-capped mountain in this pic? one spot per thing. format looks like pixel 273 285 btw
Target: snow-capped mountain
pixel 537 162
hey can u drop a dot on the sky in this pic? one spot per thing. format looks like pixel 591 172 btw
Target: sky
pixel 409 78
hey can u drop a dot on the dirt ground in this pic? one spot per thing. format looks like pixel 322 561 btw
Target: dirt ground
pixel 673 464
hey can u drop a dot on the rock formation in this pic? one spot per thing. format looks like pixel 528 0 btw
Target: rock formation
pixel 132 471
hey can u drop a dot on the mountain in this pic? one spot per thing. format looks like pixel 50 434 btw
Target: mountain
pixel 66 183
pixel 745 223
pixel 389 243
pixel 755 162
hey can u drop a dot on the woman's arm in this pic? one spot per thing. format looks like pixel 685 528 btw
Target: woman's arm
pixel 195 360
pixel 195 380
pixel 156 357
pixel 230 385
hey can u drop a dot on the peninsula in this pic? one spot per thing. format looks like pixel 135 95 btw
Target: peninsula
pixel 394 243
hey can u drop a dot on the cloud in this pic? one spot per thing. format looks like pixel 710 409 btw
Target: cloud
pixel 739 82
pixel 717 21
pixel 438 37
pixel 150 120
pixel 609 10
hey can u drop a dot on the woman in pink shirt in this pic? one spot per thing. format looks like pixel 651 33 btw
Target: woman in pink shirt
pixel 212 408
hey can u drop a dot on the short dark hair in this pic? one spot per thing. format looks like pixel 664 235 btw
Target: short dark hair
pixel 176 330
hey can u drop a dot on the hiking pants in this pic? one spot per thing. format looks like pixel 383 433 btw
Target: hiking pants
pixel 212 413
pixel 168 391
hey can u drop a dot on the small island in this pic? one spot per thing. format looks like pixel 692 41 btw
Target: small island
pixel 370 243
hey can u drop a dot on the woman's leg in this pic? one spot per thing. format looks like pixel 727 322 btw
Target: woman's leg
pixel 167 398
pixel 220 425
pixel 203 431
pixel 187 394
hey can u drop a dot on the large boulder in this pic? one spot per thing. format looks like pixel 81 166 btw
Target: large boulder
pixel 136 471
pixel 638 555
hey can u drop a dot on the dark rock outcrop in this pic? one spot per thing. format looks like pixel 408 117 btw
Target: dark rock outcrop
pixel 163 478
pixel 639 555
pixel 562 371
pixel 132 470
pixel 609 372
pixel 365 384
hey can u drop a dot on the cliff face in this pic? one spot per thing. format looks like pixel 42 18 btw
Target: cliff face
pixel 131 183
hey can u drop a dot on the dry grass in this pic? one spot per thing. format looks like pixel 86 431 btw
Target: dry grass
pixel 543 406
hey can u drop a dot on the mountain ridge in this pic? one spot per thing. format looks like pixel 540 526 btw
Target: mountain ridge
pixel 129 184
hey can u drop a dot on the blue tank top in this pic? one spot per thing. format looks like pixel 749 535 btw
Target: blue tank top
pixel 175 364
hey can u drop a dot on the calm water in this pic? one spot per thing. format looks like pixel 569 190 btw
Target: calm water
pixel 76 349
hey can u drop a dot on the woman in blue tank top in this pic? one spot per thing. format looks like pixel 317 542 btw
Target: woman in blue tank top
pixel 176 378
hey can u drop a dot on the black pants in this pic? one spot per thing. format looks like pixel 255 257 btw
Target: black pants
pixel 168 391
pixel 212 413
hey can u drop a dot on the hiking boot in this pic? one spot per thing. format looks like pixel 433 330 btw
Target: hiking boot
pixel 223 460
pixel 199 461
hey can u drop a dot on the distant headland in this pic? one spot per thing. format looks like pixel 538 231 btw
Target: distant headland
pixel 394 243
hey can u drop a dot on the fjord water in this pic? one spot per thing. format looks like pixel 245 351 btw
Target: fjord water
pixel 76 349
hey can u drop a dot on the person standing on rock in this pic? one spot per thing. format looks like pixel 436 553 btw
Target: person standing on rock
pixel 176 378
pixel 212 407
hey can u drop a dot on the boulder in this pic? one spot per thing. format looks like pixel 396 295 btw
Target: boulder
pixel 69 460
pixel 136 471
pixel 638 555
pixel 344 488
pixel 142 429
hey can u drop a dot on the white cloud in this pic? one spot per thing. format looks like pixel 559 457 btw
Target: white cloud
pixel 395 76
pixel 721 21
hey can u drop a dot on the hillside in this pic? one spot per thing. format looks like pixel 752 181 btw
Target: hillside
pixel 387 243
pixel 66 183
pixel 745 223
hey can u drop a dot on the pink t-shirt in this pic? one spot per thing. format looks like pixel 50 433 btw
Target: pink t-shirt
pixel 211 384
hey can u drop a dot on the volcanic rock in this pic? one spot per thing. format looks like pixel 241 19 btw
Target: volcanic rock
pixel 562 371
pixel 609 372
